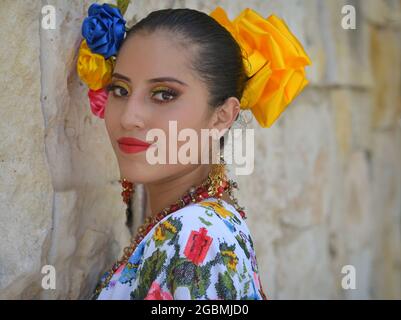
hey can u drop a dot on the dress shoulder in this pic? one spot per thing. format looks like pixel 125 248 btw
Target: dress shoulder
pixel 202 251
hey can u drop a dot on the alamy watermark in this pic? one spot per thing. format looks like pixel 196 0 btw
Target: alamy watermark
pixel 48 17
pixel 349 280
pixel 242 154
pixel 49 278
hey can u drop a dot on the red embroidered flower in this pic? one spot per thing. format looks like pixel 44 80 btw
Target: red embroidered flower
pixel 197 246
pixel 156 293
pixel 98 99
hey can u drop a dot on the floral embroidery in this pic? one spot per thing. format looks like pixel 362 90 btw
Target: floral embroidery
pixel 230 226
pixel 184 273
pixel 202 251
pixel 149 272
pixel 166 231
pixel 225 287
pixel 217 208
pixel 230 258
pixel 130 269
pixel 156 293
pixel 242 244
pixel 197 246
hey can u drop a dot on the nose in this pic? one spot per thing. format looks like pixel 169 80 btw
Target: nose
pixel 132 116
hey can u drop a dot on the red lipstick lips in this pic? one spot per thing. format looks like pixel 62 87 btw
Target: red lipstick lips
pixel 132 145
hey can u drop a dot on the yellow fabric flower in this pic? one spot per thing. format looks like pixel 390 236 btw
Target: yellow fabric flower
pixel 274 58
pixel 93 69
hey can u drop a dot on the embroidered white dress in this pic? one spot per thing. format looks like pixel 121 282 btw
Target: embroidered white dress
pixel 201 251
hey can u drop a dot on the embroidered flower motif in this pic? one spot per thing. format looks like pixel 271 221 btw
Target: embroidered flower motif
pixel 159 234
pixel 274 59
pixel 197 246
pixel 165 230
pixel 93 69
pixel 129 272
pixel 186 267
pixel 156 293
pixel 231 259
pixel 104 29
pixel 223 212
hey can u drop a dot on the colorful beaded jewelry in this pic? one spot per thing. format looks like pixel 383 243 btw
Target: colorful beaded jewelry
pixel 214 186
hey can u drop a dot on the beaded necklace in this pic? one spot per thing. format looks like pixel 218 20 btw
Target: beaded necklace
pixel 214 186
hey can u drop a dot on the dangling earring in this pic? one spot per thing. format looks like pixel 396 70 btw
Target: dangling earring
pixel 127 194
pixel 219 180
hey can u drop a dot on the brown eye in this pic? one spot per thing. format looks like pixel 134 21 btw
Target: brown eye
pixel 164 95
pixel 117 91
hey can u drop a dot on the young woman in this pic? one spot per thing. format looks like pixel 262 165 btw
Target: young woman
pixel 179 66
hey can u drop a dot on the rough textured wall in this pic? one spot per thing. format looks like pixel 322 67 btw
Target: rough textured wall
pixel 326 190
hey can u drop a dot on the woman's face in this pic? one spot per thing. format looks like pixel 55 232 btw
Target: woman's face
pixel 138 103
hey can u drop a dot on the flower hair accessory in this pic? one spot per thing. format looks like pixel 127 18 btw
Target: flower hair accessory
pixel 274 60
pixel 103 32
pixel 104 29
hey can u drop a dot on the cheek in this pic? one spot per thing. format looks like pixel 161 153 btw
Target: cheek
pixel 110 117
pixel 194 114
pixel 196 117
pixel 110 107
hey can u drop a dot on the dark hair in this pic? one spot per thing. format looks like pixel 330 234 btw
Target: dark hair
pixel 218 57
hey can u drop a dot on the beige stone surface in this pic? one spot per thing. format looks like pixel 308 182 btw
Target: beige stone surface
pixel 326 187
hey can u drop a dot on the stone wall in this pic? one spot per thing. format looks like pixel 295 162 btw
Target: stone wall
pixel 325 192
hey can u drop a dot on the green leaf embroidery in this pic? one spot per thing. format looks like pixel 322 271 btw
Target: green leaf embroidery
pixel 242 244
pixel 205 221
pixel 246 287
pixel 151 268
pixel 209 213
pixel 225 287
pixel 184 273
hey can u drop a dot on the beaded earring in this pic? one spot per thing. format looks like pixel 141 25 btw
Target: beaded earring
pixel 219 183
pixel 127 194
pixel 217 177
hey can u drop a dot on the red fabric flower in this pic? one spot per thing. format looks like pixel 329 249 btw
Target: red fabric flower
pixel 197 246
pixel 98 99
pixel 156 293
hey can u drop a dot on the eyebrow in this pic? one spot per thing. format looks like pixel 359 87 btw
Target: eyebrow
pixel 154 80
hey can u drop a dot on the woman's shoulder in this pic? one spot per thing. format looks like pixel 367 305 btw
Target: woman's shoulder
pixel 206 243
pixel 200 231
pixel 213 217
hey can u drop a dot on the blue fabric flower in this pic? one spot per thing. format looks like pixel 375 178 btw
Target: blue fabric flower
pixel 104 29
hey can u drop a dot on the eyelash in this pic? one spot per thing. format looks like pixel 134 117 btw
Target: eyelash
pixel 171 92
pixel 112 87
